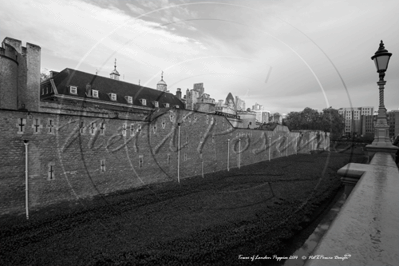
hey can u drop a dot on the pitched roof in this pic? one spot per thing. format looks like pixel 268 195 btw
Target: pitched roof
pixel 105 86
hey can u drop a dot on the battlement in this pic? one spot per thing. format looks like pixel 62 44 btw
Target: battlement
pixel 8 51
pixel 20 71
pixel 17 45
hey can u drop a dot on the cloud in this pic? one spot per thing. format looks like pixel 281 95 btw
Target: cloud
pixel 92 34
pixel 230 46
pixel 135 9
pixel 170 13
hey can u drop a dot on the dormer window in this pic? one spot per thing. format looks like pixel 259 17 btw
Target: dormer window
pixel 73 90
pixel 143 101
pixel 129 99
pixel 95 93
pixel 156 104
pixel 166 105
pixel 112 96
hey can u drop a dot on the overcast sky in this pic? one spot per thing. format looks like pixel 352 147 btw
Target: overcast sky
pixel 285 55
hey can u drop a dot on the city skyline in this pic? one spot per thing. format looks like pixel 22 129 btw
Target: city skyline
pixel 284 56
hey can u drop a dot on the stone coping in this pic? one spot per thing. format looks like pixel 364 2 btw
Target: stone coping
pixel 366 229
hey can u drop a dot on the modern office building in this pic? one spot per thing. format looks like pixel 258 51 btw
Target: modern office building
pixel 353 119
pixel 393 122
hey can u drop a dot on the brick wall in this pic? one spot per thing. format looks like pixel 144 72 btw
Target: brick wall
pixel 73 157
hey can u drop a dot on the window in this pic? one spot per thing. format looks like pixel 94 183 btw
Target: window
pixel 177 106
pixel 95 93
pixel 102 166
pixel 36 125
pixel 131 129
pixel 112 96
pixel 50 171
pixel 82 128
pixel 166 105
pixel 21 125
pixel 156 104
pixel 143 101
pixel 141 161
pixel 73 90
pixel 129 99
pixel 50 126
pixel 92 128
pixel 124 130
pixel 102 129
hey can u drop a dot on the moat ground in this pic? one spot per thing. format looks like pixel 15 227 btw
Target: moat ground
pixel 221 219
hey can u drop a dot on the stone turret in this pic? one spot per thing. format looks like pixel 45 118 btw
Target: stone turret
pixel 114 74
pixel 161 85
pixel 20 72
pixel 178 93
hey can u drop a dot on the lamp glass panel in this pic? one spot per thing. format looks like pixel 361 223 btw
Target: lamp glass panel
pixel 382 62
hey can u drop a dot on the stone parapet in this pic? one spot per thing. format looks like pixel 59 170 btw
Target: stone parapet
pixel 365 231
pixel 386 147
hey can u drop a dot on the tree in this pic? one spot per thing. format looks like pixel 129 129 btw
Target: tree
pixel 293 120
pixel 44 74
pixel 333 122
pixel 308 119
pixel 276 118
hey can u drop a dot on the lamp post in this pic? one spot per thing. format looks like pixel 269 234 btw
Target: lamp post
pixel 381 141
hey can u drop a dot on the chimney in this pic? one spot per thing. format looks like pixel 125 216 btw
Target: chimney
pixel 178 93
pixel 88 90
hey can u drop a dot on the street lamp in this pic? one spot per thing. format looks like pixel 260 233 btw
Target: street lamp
pixel 381 60
pixel 381 128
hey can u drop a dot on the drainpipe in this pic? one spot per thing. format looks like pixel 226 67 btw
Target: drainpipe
pixel 26 143
pixel 228 154
pixel 178 155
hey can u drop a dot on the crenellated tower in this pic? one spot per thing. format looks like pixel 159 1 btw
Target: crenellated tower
pixel 20 75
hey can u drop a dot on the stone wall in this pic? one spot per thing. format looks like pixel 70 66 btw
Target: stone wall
pixel 73 157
